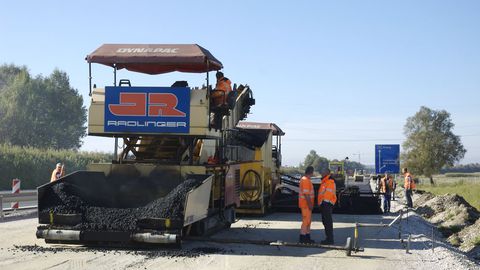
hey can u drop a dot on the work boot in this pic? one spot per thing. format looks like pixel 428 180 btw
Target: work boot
pixel 327 242
pixel 302 238
pixel 308 239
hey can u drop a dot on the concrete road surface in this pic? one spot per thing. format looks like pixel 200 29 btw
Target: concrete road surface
pixel 19 249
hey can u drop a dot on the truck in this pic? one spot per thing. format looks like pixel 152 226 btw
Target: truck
pixel 182 165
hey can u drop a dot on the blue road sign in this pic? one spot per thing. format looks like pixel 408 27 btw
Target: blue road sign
pixel 387 158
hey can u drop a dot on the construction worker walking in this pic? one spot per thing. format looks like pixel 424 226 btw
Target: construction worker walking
pixel 306 197
pixel 327 198
pixel 409 186
pixel 394 189
pixel 386 187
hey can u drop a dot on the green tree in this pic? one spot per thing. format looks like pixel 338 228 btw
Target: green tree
pixel 313 159
pixel 430 143
pixel 8 73
pixel 40 112
pixel 354 165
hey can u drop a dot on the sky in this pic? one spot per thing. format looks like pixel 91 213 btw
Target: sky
pixel 337 76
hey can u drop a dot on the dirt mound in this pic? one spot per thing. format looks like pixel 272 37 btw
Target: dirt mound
pixel 449 210
pixel 423 198
pixel 469 239
pixel 454 217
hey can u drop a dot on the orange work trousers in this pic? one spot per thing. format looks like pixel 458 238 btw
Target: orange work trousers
pixel 306 221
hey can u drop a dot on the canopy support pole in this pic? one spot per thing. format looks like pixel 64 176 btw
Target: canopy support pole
pixel 90 79
pixel 208 82
pixel 114 75
pixel 115 151
pixel 208 100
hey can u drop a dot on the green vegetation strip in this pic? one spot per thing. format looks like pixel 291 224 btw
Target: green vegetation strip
pixel 34 166
pixel 447 175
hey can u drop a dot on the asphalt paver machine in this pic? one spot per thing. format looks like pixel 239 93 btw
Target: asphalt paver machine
pixel 176 173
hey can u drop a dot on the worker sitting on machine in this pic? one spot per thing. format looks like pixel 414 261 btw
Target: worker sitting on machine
pixel 222 89
pixel 219 100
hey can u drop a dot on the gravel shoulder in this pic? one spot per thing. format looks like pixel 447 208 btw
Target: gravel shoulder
pixel 19 249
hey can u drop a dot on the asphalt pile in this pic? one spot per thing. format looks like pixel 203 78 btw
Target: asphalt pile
pixel 37 249
pixel 122 219
pixel 183 253
pixel 148 254
pixel 71 204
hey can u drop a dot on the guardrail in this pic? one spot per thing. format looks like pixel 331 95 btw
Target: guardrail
pixel 19 197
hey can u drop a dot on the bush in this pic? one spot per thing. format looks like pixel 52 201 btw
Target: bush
pixel 291 170
pixel 476 241
pixel 449 230
pixel 34 166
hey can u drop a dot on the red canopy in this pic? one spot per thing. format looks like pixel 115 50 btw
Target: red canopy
pixel 156 58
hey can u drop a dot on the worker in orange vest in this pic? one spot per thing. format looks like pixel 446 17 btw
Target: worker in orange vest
pixel 58 172
pixel 306 197
pixel 327 197
pixel 409 186
pixel 386 187
pixel 223 87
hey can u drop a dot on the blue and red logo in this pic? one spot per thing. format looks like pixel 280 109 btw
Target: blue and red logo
pixel 147 109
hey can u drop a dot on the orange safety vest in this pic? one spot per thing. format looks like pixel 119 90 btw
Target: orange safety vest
pixel 225 85
pixel 385 182
pixel 327 191
pixel 306 188
pixel 409 183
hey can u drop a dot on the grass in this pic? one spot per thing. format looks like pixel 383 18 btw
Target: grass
pixel 449 216
pixel 455 241
pixel 467 186
pixel 476 241
pixel 449 230
pixel 449 175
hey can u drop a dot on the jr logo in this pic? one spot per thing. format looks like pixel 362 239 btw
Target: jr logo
pixel 136 104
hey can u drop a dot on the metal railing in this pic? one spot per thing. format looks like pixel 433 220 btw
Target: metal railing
pixel 19 197
pixel 399 219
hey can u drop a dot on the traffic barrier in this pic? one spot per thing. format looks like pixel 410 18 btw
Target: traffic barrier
pixel 15 190
pixel 22 197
